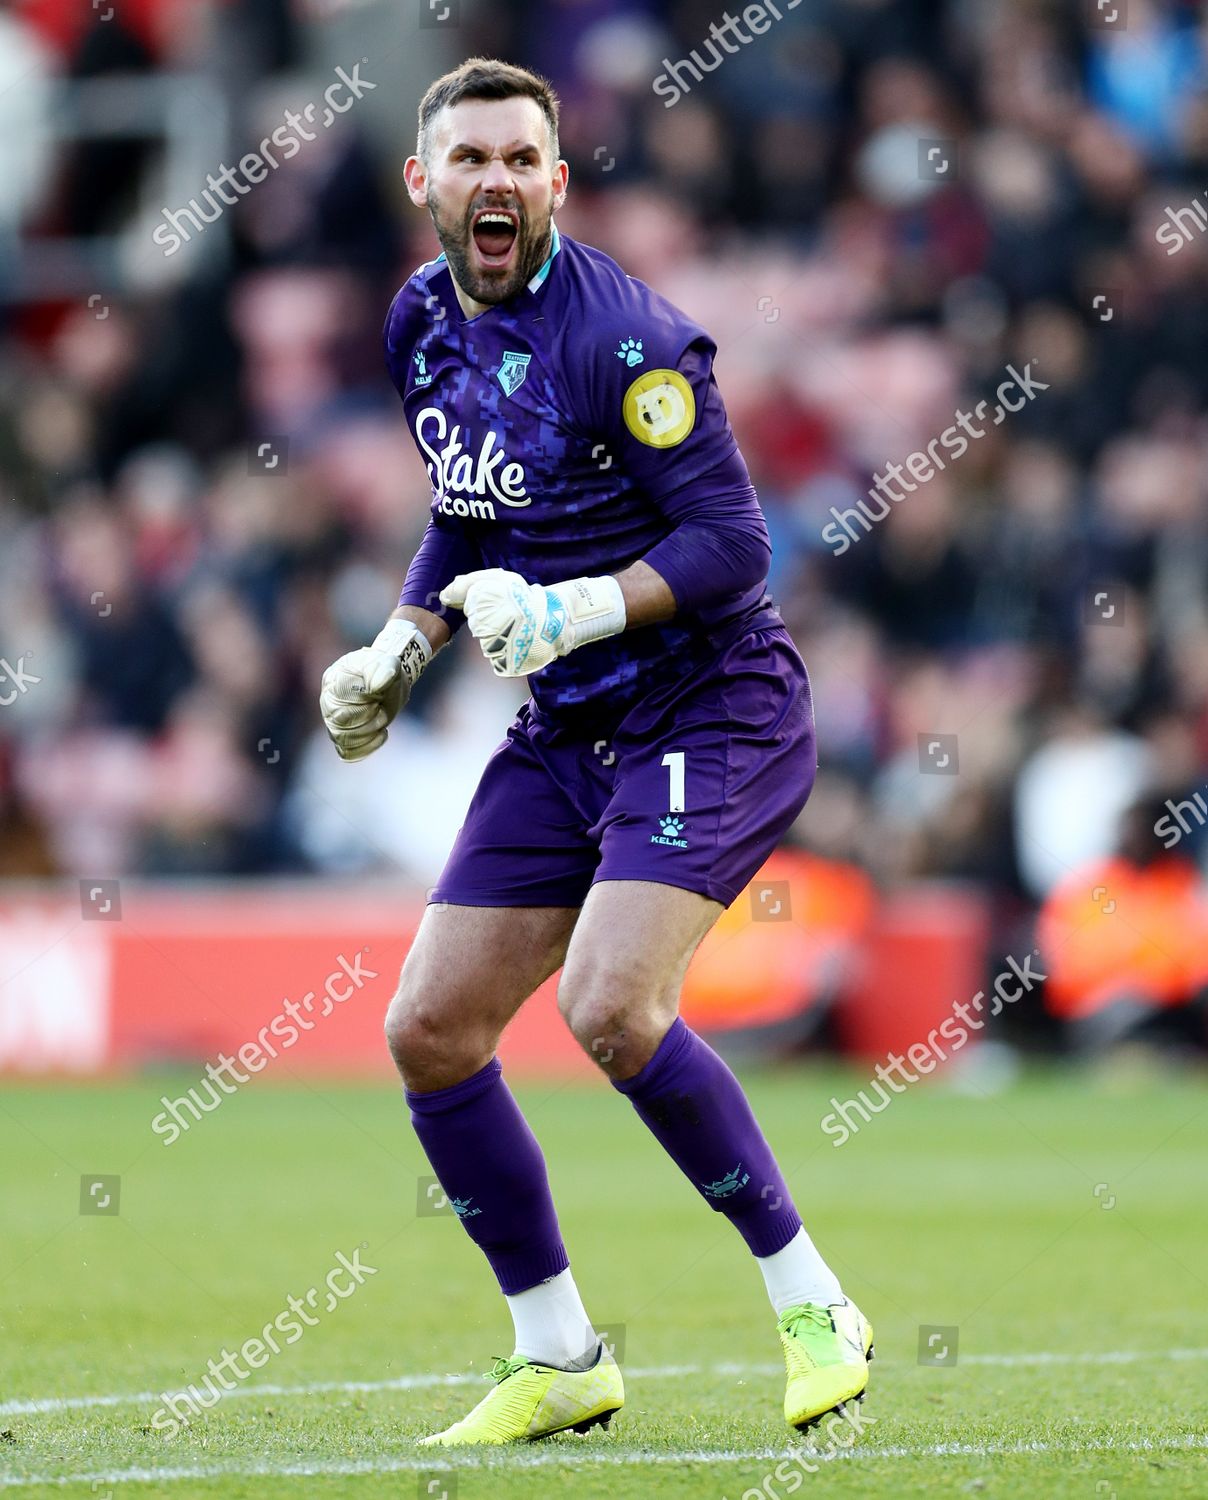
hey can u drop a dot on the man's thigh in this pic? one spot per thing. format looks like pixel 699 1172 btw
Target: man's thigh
pixel 500 915
pixel 640 932
pixel 625 966
pixel 468 972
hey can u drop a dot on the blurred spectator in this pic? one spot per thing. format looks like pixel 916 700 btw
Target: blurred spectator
pixel 1071 795
pixel 25 135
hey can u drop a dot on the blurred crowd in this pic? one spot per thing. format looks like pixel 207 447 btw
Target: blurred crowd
pixel 173 588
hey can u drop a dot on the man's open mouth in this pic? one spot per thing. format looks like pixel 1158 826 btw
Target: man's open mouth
pixel 495 233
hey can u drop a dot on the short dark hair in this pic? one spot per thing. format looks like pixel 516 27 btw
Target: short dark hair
pixel 486 78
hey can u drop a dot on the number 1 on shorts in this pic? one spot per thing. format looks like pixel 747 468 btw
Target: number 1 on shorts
pixel 674 760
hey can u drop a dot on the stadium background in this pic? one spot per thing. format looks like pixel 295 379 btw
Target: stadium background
pixel 876 208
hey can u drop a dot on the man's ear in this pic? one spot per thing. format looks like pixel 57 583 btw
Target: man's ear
pixel 416 179
pixel 560 180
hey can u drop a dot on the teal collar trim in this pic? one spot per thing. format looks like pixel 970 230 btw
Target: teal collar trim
pixel 538 281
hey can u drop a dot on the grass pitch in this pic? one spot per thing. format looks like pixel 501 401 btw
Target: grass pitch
pixel 1052 1235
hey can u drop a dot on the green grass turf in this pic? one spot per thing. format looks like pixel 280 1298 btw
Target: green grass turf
pixel 947 1209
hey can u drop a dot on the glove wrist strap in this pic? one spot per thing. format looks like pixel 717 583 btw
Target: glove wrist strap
pixel 404 639
pixel 595 608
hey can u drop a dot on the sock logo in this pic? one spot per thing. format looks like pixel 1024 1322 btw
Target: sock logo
pixel 461 1207
pixel 728 1185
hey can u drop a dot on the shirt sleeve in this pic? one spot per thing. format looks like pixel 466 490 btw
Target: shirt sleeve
pixel 652 399
pixel 719 549
pixel 444 552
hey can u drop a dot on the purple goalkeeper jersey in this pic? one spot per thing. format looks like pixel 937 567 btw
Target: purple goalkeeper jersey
pixel 566 433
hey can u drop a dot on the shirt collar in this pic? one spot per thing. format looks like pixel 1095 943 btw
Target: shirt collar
pixel 538 281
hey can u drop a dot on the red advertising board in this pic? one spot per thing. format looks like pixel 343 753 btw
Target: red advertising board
pixel 301 975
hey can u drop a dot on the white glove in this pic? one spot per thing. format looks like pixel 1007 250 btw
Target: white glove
pixel 522 627
pixel 364 689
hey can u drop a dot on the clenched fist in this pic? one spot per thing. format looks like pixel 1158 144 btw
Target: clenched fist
pixel 522 627
pixel 364 689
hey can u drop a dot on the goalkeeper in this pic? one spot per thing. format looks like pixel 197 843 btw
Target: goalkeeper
pixel 594 525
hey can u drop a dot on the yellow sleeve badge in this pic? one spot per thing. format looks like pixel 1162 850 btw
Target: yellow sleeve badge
pixel 660 409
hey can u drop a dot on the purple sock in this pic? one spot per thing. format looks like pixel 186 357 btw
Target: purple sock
pixel 700 1116
pixel 491 1168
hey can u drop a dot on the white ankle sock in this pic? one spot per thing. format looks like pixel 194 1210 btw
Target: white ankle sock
pixel 798 1274
pixel 552 1324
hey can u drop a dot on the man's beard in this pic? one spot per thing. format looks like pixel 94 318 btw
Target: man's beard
pixel 532 249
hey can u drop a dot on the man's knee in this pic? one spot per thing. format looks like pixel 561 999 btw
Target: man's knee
pixel 412 1030
pixel 594 1006
pixel 429 1050
pixel 616 1017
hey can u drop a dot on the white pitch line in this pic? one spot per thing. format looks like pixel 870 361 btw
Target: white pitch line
pixel 1108 1357
pixel 317 1388
pixel 544 1459
pixel 33 1407
pixel 50 1404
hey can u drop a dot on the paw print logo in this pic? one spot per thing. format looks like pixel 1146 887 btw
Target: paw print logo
pixel 631 352
pixel 672 827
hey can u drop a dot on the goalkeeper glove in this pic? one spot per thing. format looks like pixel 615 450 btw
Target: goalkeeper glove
pixel 364 689
pixel 522 627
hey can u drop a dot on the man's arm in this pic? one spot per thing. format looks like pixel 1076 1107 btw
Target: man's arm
pixel 648 600
pixel 434 628
pixel 648 597
pixel 363 691
pixel 717 550
pixel 444 552
pixel 718 547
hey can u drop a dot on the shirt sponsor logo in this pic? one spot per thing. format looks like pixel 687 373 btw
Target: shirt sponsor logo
pixel 659 408
pixel 466 483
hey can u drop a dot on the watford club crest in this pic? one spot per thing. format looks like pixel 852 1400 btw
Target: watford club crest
pixel 512 371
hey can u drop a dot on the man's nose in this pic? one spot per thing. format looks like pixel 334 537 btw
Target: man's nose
pixel 498 177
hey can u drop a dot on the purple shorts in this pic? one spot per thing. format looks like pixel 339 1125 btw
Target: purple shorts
pixel 693 787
